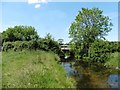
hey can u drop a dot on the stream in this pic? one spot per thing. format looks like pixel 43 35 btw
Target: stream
pixel 86 78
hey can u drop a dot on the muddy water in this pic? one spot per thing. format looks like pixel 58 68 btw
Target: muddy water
pixel 87 78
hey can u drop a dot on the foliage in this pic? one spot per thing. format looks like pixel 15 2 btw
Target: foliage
pixel 89 25
pixel 99 51
pixel 114 46
pixel 7 46
pixel 46 44
pixel 0 40
pixel 33 69
pixel 114 60
pixel 60 41
pixel 20 33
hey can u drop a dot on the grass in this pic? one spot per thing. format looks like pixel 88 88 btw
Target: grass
pixel 33 69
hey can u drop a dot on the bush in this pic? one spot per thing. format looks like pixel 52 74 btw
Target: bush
pixel 99 51
pixel 20 33
pixel 41 44
pixel 7 46
pixel 114 46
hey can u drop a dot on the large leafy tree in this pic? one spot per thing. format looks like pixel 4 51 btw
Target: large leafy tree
pixel 89 25
pixel 20 33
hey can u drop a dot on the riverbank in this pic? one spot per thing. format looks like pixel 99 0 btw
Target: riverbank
pixel 33 69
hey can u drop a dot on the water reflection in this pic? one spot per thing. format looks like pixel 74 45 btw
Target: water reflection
pixel 113 80
pixel 70 70
pixel 86 78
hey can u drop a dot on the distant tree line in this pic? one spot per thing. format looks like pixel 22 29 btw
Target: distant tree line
pixel 26 37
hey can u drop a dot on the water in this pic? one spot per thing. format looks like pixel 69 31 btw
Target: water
pixel 70 70
pixel 113 80
pixel 86 78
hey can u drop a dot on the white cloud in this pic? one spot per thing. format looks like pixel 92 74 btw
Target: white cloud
pixel 36 1
pixel 37 6
pixel 32 1
pixel 43 1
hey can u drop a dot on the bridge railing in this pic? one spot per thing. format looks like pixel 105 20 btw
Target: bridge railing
pixel 65 47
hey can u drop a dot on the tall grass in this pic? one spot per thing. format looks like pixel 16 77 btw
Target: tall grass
pixel 33 69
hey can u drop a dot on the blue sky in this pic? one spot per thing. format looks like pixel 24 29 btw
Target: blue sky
pixel 54 17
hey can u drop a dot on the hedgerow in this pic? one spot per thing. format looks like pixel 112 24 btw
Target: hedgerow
pixel 42 44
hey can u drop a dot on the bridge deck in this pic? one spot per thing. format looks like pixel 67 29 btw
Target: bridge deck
pixel 65 48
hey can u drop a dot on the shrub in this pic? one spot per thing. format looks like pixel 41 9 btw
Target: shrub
pixel 7 46
pixel 99 51
pixel 42 44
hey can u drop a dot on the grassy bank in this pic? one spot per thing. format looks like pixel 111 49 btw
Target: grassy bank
pixel 33 69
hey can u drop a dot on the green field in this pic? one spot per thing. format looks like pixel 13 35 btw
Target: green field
pixel 33 69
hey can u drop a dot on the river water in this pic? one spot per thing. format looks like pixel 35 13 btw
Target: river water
pixel 86 78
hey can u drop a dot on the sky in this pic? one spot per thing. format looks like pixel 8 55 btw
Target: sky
pixel 53 17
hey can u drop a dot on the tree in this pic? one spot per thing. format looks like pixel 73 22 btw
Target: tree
pixel 49 36
pixel 89 25
pixel 20 33
pixel 60 41
pixel 52 44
